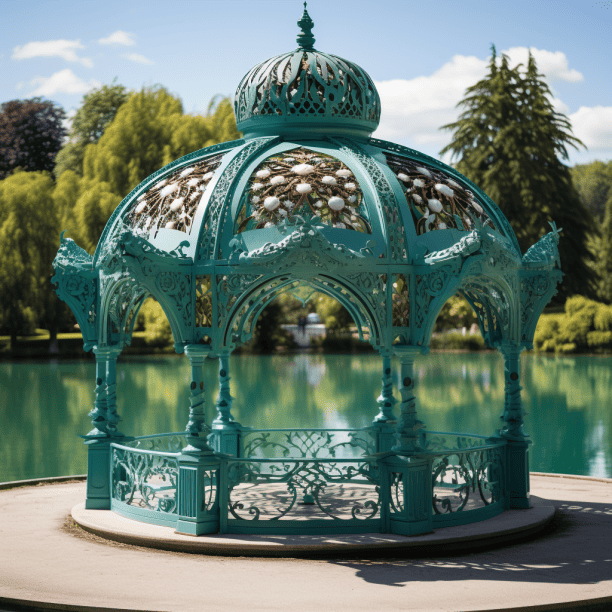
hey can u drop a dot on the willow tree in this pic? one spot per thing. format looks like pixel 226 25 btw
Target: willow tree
pixel 96 113
pixel 29 237
pixel 511 142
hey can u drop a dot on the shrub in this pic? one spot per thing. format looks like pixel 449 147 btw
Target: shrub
pixel 586 326
pixel 157 329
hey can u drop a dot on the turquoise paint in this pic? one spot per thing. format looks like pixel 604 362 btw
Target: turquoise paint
pixel 388 233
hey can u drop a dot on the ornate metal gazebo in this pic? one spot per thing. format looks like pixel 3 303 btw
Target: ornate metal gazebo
pixel 306 198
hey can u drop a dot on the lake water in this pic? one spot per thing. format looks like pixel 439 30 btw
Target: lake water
pixel 44 405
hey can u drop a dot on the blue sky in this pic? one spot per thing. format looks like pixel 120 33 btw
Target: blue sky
pixel 422 55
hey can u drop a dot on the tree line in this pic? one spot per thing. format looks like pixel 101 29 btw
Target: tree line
pixel 508 140
pixel 49 184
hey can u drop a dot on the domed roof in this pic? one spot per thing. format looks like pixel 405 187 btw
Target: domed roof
pixel 247 193
pixel 304 155
pixel 309 90
pixel 306 198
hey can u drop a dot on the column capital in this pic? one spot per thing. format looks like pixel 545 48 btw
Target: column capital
pixel 107 351
pixel 409 352
pixel 195 351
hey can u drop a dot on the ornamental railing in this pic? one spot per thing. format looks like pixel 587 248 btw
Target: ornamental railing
pixel 310 481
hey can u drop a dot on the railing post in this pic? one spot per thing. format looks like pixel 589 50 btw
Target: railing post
pixel 414 516
pixel 517 448
pixel 225 429
pixel 385 419
pixel 104 418
pixel 408 433
pixel 198 477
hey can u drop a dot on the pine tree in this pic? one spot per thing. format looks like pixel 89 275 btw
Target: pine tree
pixel 510 141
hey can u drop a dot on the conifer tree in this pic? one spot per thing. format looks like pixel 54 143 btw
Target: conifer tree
pixel 510 141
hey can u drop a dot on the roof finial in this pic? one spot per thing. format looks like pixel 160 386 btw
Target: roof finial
pixel 305 39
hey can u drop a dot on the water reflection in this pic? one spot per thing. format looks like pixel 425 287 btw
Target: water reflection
pixel 43 406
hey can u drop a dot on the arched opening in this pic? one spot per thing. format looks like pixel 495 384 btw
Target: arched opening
pixel 245 311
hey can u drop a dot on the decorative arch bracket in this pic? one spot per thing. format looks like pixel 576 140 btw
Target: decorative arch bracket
pixel 540 276
pixel 481 258
pixel 76 283
pixel 138 269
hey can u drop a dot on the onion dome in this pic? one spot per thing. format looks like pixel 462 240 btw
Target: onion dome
pixel 307 90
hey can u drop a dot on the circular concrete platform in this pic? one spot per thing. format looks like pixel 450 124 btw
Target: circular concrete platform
pixel 510 526
pixel 47 562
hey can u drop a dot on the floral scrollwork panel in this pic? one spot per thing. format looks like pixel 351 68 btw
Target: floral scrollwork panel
pixel 303 490
pixel 144 480
pixel 428 287
pixel 467 480
pixel 400 306
pixel 303 443
pixel 177 287
pixel 373 288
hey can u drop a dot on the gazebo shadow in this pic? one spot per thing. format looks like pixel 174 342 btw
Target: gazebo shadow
pixel 574 549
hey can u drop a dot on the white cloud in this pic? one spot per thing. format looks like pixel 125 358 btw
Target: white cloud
pixel 414 109
pixel 552 64
pixel 52 48
pixel 593 125
pixel 64 81
pixel 136 57
pixel 119 38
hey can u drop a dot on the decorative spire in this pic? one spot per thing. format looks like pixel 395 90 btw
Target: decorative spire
pixel 305 39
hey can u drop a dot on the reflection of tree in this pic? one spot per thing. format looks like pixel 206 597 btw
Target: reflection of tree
pixel 38 435
pixel 44 405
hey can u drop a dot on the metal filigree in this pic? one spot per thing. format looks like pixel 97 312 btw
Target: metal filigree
pixel 172 203
pixel 466 480
pixel 302 182
pixel 400 306
pixel 301 443
pixel 177 287
pixel 209 233
pixel 204 306
pixel 310 85
pixel 436 200
pixel 303 489
pixel 144 479
pixel 384 191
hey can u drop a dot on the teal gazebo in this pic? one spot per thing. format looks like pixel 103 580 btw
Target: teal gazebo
pixel 306 199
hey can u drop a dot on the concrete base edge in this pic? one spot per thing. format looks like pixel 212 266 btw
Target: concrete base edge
pixel 510 526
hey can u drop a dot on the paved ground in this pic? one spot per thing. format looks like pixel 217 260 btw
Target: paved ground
pixel 42 559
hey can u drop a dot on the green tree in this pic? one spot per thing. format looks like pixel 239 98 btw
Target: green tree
pixel 31 134
pixel 95 204
pixel 29 238
pixel 594 185
pixel 192 132
pixel 510 141
pixel 96 113
pixel 602 247
pixel 132 147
